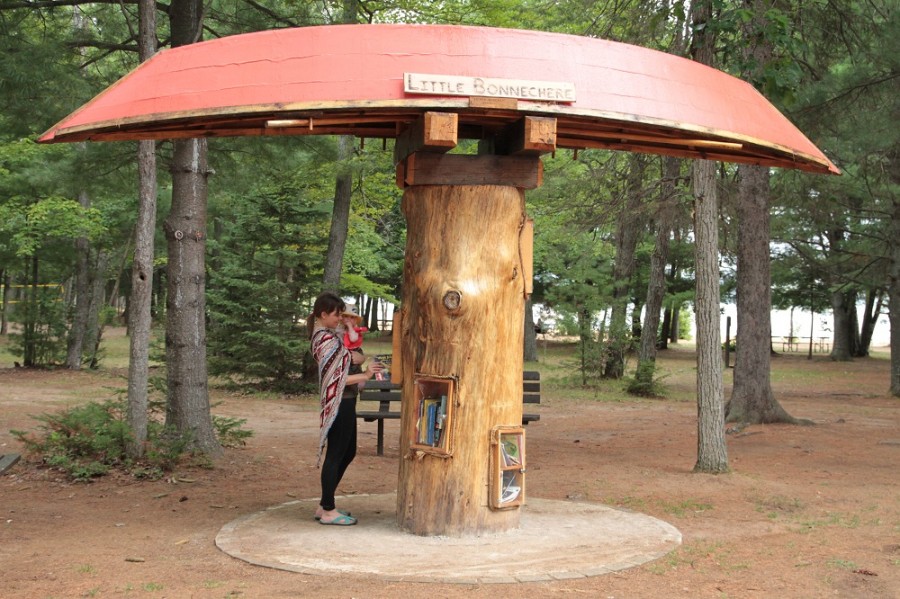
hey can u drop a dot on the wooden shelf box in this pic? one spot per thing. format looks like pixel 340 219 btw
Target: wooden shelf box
pixel 507 484
pixel 433 399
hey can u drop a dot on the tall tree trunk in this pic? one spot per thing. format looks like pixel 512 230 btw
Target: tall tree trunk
pixel 343 186
pixel 874 302
pixel 188 393
pixel 529 352
pixel 140 321
pixel 94 328
pixel 29 333
pixel 665 329
pixel 712 454
pixel 187 408
pixel 630 221
pixel 894 279
pixel 340 218
pixel 752 400
pixel 5 280
pixel 656 287
pixel 843 306
pixel 82 294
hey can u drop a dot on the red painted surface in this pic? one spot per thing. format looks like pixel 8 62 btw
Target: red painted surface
pixel 362 65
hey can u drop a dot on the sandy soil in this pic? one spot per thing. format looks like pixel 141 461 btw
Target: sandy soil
pixel 806 512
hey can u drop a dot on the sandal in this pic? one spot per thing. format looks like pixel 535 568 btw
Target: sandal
pixel 343 512
pixel 342 520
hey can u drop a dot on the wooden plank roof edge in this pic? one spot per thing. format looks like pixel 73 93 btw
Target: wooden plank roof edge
pixel 595 125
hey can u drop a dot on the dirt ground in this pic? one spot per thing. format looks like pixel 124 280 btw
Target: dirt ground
pixel 807 511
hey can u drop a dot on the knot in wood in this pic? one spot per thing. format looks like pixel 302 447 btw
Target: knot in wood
pixel 452 299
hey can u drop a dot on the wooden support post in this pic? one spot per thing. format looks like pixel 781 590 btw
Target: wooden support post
pixel 433 132
pixel 424 168
pixel 529 136
pixel 460 240
pixel 463 308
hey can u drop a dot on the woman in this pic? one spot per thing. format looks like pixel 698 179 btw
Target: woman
pixel 337 393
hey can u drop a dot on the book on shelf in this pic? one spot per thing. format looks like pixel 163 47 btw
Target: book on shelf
pixel 509 445
pixel 430 421
pixel 510 490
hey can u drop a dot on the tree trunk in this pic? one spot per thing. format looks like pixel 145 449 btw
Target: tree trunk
pixel 656 287
pixel 894 286
pixel 462 246
pixel 712 453
pixel 187 407
pixel 675 324
pixel 874 303
pixel 340 218
pixel 82 294
pixel 29 333
pixel 664 331
pixel 630 221
pixel 842 304
pixel 529 352
pixel 752 400
pixel 188 393
pixel 94 328
pixel 140 321
pixel 5 280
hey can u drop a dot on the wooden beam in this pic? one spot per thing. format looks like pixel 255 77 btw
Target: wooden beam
pixel 424 168
pixel 433 131
pixel 529 136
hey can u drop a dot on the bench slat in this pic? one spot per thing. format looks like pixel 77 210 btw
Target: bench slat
pixel 379 396
pixel 386 392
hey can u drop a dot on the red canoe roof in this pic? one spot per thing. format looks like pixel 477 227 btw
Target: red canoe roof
pixel 349 79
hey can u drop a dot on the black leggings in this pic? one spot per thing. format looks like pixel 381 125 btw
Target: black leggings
pixel 340 451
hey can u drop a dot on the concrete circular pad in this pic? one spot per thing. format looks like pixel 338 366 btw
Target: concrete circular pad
pixel 555 540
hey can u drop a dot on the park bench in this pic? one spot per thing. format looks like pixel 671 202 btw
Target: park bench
pixel 386 393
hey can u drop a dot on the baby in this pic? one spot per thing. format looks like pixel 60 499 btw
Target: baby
pixel 353 337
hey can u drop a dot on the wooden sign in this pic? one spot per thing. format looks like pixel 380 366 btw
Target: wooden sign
pixel 521 89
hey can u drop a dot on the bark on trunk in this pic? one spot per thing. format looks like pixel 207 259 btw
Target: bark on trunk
pixel 4 315
pixel 188 393
pixel 894 293
pixel 94 327
pixel 656 287
pixel 752 400
pixel 462 244
pixel 874 303
pixel 529 352
pixel 82 295
pixel 140 321
pixel 340 219
pixel 712 454
pixel 626 243
pixel 842 303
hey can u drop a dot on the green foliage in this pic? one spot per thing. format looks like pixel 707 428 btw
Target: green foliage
pixel 90 440
pixel 230 431
pixel 84 441
pixel 645 383
pixel 264 265
pixel 42 341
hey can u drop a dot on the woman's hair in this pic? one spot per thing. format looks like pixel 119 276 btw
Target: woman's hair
pixel 327 302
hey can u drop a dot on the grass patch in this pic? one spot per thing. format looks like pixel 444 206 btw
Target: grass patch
pixel 685 508
pixel 778 505
pixel 694 555
pixel 830 520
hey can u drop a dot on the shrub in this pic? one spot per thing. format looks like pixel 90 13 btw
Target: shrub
pixel 88 441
